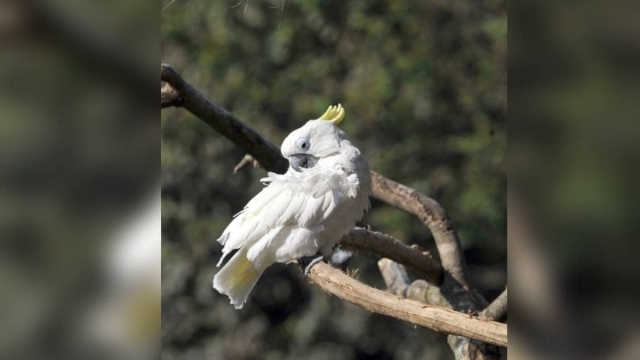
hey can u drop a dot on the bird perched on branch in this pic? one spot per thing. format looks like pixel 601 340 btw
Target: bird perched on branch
pixel 300 214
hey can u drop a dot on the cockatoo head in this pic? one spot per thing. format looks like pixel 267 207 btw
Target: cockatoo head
pixel 316 140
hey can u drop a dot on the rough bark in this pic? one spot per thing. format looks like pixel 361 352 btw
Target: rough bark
pixel 337 283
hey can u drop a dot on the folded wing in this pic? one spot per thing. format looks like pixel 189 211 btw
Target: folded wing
pixel 289 210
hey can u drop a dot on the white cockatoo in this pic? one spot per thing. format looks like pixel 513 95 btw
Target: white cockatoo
pixel 299 214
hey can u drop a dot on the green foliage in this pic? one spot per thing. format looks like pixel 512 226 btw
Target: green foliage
pixel 424 88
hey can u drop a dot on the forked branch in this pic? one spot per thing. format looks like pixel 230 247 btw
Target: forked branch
pixel 432 215
pixel 437 318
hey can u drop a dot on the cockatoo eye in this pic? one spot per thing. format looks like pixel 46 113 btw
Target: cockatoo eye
pixel 303 144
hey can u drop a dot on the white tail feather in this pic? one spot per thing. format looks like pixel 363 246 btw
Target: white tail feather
pixel 237 278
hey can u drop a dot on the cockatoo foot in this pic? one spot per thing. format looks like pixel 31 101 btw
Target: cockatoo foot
pixel 308 261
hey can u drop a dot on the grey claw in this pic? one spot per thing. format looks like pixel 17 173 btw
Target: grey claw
pixel 307 262
pixel 313 262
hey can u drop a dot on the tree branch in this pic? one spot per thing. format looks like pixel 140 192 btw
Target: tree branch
pixel 264 151
pixel 169 97
pixel 387 247
pixel 246 160
pixel 432 215
pixel 455 286
pixel 497 309
pixel 396 278
pixel 336 282
pixel 397 281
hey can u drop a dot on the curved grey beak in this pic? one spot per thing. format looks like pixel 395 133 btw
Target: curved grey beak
pixel 302 161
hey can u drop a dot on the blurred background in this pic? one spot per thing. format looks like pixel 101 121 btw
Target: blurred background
pixel 424 87
pixel 573 176
pixel 79 180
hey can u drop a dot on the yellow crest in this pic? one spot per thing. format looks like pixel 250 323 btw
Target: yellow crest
pixel 335 114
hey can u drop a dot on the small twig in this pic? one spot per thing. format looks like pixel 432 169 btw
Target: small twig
pixel 246 160
pixel 497 309
pixel 436 318
pixel 387 247
pixel 166 6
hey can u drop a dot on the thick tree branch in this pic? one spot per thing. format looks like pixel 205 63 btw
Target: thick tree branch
pixel 388 247
pixel 264 151
pixel 397 281
pixel 497 309
pixel 432 215
pixel 440 319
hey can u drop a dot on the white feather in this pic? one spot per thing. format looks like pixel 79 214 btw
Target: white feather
pixel 299 213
